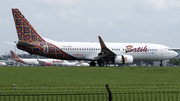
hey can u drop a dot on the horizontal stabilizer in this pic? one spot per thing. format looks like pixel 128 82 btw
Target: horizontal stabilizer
pixel 11 43
pixel 24 44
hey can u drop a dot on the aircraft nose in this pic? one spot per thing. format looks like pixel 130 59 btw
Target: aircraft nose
pixel 175 54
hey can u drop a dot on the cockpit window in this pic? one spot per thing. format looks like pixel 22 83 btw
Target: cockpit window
pixel 169 49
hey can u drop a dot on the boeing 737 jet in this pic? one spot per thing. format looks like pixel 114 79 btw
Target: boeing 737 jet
pixel 117 53
pixel 45 62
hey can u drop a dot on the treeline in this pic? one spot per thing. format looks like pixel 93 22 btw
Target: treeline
pixel 175 61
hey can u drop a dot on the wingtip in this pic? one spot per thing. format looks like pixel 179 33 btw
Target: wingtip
pixel 99 37
pixel 103 46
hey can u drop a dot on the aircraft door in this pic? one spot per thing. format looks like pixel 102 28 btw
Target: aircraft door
pixel 45 48
pixel 162 51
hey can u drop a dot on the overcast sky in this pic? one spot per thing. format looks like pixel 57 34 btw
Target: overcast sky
pixel 147 21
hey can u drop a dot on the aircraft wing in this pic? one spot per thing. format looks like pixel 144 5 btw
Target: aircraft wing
pixel 105 53
pixel 41 62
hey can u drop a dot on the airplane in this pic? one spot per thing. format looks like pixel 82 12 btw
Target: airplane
pixel 97 52
pixel 23 60
pixel 45 62
pixel 3 64
pixel 55 62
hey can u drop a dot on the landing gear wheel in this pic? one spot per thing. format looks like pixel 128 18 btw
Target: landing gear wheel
pixel 101 63
pixel 92 63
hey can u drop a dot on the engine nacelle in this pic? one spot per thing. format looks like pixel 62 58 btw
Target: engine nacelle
pixel 123 59
pixel 47 64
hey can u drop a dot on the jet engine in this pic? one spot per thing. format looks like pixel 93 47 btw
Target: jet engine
pixel 123 59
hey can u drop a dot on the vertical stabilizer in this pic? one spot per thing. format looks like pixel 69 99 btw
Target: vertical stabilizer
pixel 31 42
pixel 25 31
pixel 14 56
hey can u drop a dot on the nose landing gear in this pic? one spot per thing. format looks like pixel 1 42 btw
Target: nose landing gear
pixel 161 64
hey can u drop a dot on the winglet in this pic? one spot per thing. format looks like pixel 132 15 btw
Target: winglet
pixel 103 46
pixel 104 51
pixel 41 62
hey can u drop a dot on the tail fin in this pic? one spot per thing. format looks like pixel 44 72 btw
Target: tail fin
pixel 14 56
pixel 25 31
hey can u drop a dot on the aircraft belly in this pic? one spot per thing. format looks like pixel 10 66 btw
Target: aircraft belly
pixel 83 55
pixel 137 56
pixel 150 56
pixel 30 61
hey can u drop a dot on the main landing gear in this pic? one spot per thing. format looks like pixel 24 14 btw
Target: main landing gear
pixel 92 63
pixel 100 63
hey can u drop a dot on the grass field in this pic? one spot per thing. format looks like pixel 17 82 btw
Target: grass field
pixel 89 75
pixel 89 80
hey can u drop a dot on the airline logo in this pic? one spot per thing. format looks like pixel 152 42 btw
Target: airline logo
pixel 57 61
pixel 125 59
pixel 138 49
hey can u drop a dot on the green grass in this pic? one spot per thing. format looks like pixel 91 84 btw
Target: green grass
pixel 89 75
pixel 126 83
pixel 89 79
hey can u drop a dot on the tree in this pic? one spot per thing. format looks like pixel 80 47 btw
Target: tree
pixel 1 58
pixel 174 61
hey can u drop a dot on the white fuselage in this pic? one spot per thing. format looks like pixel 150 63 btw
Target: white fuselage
pixel 139 51
pixel 50 61
pixel 27 61
pixel 31 61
